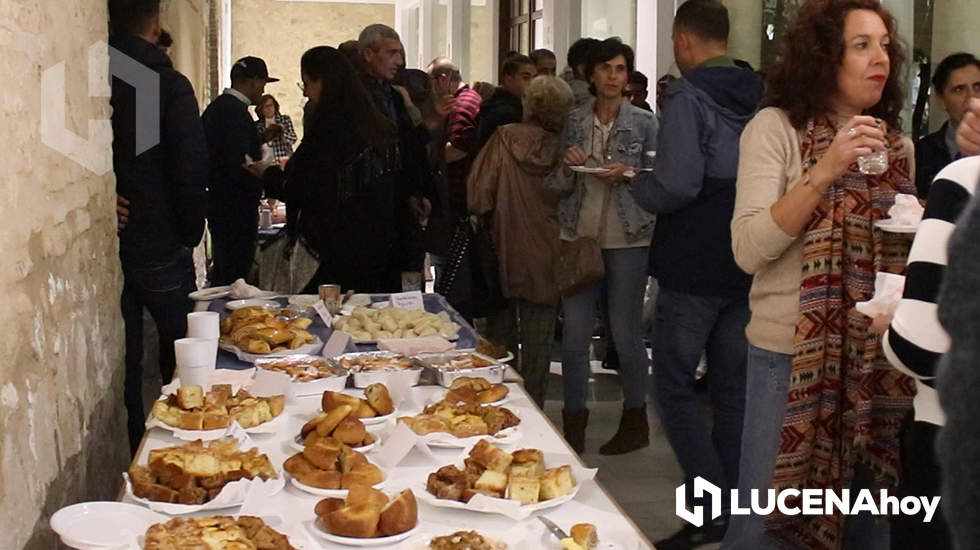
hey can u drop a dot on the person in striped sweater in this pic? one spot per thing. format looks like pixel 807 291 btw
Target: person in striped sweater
pixel 916 341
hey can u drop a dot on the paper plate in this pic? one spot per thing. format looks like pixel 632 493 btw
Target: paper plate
pixel 313 348
pixel 317 528
pixel 892 227
pixel 303 300
pixel 232 495
pixel 588 169
pixel 336 493
pixel 296 444
pixel 103 524
pixel 446 440
pixel 208 294
pixel 253 302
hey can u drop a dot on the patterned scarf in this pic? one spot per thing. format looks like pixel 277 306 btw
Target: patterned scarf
pixel 845 402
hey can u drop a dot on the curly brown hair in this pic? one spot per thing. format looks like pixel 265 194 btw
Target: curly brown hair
pixel 803 79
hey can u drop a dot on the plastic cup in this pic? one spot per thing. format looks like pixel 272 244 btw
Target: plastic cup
pixel 203 324
pixel 195 358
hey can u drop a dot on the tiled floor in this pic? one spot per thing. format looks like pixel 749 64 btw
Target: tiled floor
pixel 643 482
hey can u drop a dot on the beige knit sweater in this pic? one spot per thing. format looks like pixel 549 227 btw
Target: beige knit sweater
pixel 769 165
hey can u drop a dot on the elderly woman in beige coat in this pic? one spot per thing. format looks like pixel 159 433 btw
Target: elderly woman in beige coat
pixel 506 183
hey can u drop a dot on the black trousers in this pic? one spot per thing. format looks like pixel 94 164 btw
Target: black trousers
pixel 162 288
pixel 920 477
pixel 233 242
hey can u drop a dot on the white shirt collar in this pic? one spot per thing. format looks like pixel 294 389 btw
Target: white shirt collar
pixel 238 95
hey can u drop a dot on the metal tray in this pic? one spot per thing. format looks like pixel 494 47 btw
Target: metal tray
pixel 336 382
pixel 444 375
pixel 363 379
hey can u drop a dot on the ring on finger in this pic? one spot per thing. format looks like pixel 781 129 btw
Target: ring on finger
pixel 852 132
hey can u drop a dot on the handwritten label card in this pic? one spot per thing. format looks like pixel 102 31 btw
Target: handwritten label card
pixel 408 300
pixel 390 452
pixel 237 432
pixel 324 314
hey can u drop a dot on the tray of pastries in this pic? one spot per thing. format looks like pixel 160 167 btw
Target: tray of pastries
pixel 372 367
pixel 254 332
pixel 459 425
pixel 215 533
pixel 492 480
pixel 311 374
pixel 327 467
pixel 192 412
pixel 367 517
pixel 200 476
pixel 448 366
pixel 367 325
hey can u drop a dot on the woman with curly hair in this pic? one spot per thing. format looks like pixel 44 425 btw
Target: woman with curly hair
pixel 823 408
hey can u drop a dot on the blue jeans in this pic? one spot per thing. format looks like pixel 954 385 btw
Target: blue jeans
pixel 766 392
pixel 625 284
pixel 687 325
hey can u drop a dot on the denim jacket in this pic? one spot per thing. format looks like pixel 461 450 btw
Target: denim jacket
pixel 633 134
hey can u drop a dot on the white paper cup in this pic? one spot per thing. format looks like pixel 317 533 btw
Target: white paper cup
pixel 195 358
pixel 203 324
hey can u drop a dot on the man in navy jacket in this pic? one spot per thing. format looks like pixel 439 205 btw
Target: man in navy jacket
pixel 164 188
pixel 233 191
pixel 703 302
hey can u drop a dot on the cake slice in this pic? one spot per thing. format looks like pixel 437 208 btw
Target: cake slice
pixel 525 490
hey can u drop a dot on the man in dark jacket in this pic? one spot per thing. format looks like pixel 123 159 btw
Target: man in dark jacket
pixel 381 56
pixel 956 81
pixel 505 106
pixel 234 191
pixel 164 186
pixel 703 300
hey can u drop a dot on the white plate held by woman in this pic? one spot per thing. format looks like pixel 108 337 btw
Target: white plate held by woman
pixel 588 169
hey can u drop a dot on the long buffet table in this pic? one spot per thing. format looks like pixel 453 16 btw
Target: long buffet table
pixel 291 510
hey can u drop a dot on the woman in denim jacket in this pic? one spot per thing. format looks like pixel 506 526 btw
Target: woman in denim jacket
pixel 611 133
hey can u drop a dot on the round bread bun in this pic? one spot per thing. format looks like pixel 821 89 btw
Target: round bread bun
pixel 350 459
pixel 462 394
pixel 359 521
pixel 322 457
pixel 297 464
pixel 321 479
pixel 327 425
pixel 311 425
pixel 379 398
pixel 333 399
pixel 350 431
pixel 328 505
pixel 400 515
pixel 364 410
pixel 363 494
pixel 495 393
pixel 362 474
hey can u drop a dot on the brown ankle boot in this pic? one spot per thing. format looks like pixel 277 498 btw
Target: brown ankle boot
pixel 633 433
pixel 573 424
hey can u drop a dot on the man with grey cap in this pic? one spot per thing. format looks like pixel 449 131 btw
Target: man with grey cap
pixel 233 190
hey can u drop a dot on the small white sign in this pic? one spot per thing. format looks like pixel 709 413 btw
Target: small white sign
pixel 269 383
pixel 408 300
pixel 390 452
pixel 336 344
pixel 323 312
pixel 237 432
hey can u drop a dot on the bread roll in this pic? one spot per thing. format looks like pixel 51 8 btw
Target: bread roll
pixel 362 474
pixel 334 416
pixel 494 394
pixel 585 535
pixel 321 456
pixel 379 399
pixel 364 494
pixel 310 426
pixel 328 505
pixel 399 515
pixel 321 479
pixel 462 394
pixel 350 431
pixel 297 464
pixel 353 521
pixel 332 399
pixel 364 410
pixel 350 459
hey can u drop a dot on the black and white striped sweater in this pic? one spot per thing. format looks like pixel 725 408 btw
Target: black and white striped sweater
pixel 915 341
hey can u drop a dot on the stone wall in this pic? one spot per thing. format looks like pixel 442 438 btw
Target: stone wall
pixel 62 420
pixel 187 22
pixel 279 33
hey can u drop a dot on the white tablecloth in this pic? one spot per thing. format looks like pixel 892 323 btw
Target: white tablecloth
pixel 291 511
